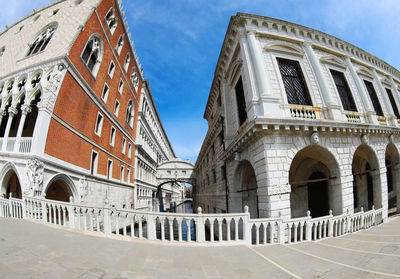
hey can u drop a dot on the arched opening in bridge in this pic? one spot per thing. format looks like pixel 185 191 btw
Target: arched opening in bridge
pixel 59 190
pixel 168 194
pixel 366 179
pixel 245 184
pixel 315 183
pixel 392 176
pixel 11 186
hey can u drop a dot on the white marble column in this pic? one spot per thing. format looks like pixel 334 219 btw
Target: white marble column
pixel 25 110
pixel 363 94
pixel 11 113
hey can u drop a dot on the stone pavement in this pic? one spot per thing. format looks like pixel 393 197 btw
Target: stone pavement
pixel 33 250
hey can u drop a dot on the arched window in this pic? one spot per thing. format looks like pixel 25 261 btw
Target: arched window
pixel 92 54
pixel 127 61
pixel 134 79
pixel 42 40
pixel 120 44
pixel 129 113
pixel 111 20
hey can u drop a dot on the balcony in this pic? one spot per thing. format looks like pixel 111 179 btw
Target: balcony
pixel 23 146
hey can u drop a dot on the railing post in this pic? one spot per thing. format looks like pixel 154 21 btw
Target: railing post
pixel 44 210
pixel 71 213
pixel 246 226
pixel 200 234
pixel 330 224
pixel 309 226
pixel 10 207
pixel 106 218
pixel 281 232
pixel 373 215
pixel 151 228
pixel 362 218
pixel 23 207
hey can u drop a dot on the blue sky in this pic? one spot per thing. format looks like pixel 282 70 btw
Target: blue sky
pixel 178 42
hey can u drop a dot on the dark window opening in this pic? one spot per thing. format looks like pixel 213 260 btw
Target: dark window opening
pixel 240 100
pixel 374 97
pixel 393 103
pixel 293 80
pixel 344 91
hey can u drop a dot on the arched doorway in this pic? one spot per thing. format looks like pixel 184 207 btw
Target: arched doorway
pixel 11 186
pixel 392 176
pixel 315 183
pixel 246 189
pixel 366 181
pixel 59 189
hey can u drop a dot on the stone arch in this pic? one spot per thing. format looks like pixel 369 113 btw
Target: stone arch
pixel 60 187
pixel 10 181
pixel 315 180
pixel 245 188
pixel 366 178
pixel 392 160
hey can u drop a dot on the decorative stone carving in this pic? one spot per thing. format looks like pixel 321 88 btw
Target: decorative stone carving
pixel 83 187
pixel 278 189
pixel 35 169
pixel 314 138
pixel 364 139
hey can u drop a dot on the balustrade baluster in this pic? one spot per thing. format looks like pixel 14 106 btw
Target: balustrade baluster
pixel 236 229
pixel 179 230
pixel 189 230
pixel 162 229
pixel 171 229
pixel 140 228
pixel 228 230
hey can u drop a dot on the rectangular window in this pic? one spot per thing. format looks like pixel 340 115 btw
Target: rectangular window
pixel 393 102
pixel 122 173
pixel 99 124
pixel 111 69
pixel 104 95
pixel 109 168
pixel 93 163
pixel 374 97
pixel 241 102
pixel 116 108
pixel 112 136
pixel 120 86
pixel 344 91
pixel 128 175
pixel 294 82
pixel 129 150
pixel 127 61
pixel 123 145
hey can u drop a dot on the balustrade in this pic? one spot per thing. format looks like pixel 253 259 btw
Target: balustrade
pixel 198 228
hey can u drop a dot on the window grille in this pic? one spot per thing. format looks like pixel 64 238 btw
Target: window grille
pixel 293 80
pixel 42 41
pixel 91 54
pixel 374 97
pixel 344 91
pixel 393 103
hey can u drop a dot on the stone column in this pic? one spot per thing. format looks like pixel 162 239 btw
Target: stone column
pixel 12 112
pixel 25 110
pixel 335 111
pixel 363 94
pixel 384 95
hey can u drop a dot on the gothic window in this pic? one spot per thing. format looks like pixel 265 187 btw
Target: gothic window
pixel 92 54
pixel 127 61
pixel 99 124
pixel 129 113
pixel 393 103
pixel 120 43
pixel 293 80
pixel 374 97
pixel 134 79
pixel 42 40
pixel 112 136
pixel 240 100
pixel 344 91
pixel 120 86
pixel 111 20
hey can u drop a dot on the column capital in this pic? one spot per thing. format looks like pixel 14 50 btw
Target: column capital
pixel 12 111
pixel 3 112
pixel 26 109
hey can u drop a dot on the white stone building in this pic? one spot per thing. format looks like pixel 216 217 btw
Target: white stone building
pixel 153 151
pixel 298 120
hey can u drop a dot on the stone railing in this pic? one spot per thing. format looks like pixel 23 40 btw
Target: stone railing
pixel 13 145
pixel 25 145
pixel 305 112
pixel 215 229
pixel 353 117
